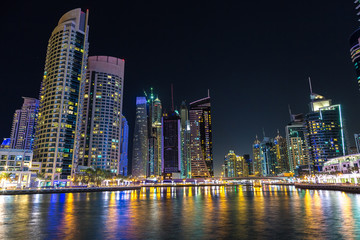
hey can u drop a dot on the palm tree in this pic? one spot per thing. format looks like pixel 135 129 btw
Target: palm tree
pixel 5 177
pixel 40 176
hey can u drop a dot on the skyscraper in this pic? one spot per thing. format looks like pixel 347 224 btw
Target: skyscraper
pixel 249 164
pixel 268 157
pixel 56 139
pixel 355 47
pixel 235 165
pixel 230 164
pixel 297 145
pixel 257 165
pixel 325 130
pixel 154 131
pixel 281 154
pixel 156 126
pixel 123 166
pixel 140 155
pixel 185 141
pixel 102 114
pixel 171 150
pixel 201 138
pixel 23 128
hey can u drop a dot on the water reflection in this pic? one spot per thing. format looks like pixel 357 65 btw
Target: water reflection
pixel 182 213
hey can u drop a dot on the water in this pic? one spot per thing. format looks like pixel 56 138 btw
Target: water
pixel 237 212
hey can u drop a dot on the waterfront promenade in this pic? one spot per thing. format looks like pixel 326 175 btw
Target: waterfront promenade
pixel 333 187
pixel 94 189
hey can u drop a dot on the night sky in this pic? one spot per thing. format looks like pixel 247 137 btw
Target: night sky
pixel 254 56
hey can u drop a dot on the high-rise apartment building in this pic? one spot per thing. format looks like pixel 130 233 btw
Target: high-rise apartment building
pixel 57 131
pixel 201 138
pixel 268 157
pixel 235 165
pixel 185 141
pixel 325 131
pixel 156 127
pixel 171 150
pixel 140 155
pixel 298 149
pixel 154 131
pixel 281 154
pixel 123 165
pixel 102 114
pixel 23 128
pixel 355 47
pixel 248 165
pixel 230 164
pixel 257 164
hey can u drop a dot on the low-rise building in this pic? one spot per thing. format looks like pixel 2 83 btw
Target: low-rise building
pixel 343 164
pixel 18 163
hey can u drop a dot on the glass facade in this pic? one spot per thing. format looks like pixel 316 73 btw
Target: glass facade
pixel 325 132
pixel 56 139
pixel 102 114
pixel 201 138
pixel 23 128
pixel 171 144
pixel 140 155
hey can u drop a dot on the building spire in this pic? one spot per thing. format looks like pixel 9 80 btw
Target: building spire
pixel 264 132
pixel 310 85
pixel 208 92
pixel 172 97
pixel 291 117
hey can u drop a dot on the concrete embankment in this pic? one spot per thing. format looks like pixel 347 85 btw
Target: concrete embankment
pixel 331 187
pixel 66 190
pixel 280 184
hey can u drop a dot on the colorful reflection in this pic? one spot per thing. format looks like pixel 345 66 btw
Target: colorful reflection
pixel 222 212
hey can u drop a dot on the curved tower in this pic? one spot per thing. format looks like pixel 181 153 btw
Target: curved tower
pixel 102 114
pixel 355 47
pixel 56 133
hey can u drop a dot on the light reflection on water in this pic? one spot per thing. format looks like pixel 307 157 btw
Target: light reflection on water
pixel 271 212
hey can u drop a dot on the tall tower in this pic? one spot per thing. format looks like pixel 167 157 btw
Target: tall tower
pixel 123 169
pixel 154 131
pixel 257 166
pixel 268 157
pixel 281 154
pixel 355 46
pixel 171 150
pixel 102 114
pixel 201 138
pixel 140 155
pixel 156 128
pixel 57 131
pixel 325 131
pixel 23 128
pixel 185 141
pixel 297 145
pixel 230 164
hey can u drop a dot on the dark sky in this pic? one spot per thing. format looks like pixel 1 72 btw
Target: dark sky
pixel 254 56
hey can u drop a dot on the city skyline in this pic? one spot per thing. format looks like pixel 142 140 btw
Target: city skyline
pixel 338 83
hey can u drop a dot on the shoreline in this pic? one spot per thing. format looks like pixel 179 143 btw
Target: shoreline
pixel 330 187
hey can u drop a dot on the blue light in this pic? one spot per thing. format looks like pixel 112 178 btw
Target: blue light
pixel 140 100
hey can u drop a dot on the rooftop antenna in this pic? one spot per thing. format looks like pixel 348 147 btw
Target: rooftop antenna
pixel 264 132
pixel 278 132
pixel 310 85
pixel 172 97
pixel 208 92
pixel 291 117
